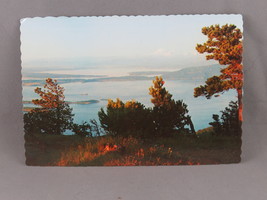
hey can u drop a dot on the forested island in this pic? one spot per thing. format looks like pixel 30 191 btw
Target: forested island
pixel 70 102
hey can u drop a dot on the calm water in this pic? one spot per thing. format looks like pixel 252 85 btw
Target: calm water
pixel 200 109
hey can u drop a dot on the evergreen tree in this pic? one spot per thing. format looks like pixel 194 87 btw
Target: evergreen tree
pixel 83 130
pixel 129 118
pixel 224 44
pixel 132 118
pixel 168 114
pixel 228 123
pixel 53 115
pixel 216 124
pixel 160 96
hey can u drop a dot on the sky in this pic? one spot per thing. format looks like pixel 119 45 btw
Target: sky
pixel 116 44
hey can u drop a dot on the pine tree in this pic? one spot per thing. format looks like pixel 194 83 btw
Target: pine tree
pixel 227 123
pixel 160 96
pixel 124 119
pixel 52 114
pixel 168 114
pixel 224 44
pixel 51 97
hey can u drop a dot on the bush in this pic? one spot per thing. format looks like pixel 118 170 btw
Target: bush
pixel 84 129
pixel 123 119
pixel 132 118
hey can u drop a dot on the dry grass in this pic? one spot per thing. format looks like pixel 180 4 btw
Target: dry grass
pixel 110 151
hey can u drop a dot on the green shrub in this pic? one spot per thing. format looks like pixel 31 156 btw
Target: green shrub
pixel 123 119
pixel 132 118
pixel 227 123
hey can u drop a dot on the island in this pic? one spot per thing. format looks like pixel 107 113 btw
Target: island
pixel 28 109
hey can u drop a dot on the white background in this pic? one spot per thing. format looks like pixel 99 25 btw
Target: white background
pixel 246 181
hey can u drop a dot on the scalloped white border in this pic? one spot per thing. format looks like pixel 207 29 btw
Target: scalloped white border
pixel 107 16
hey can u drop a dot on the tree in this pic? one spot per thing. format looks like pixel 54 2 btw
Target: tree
pixel 227 124
pixel 168 114
pixel 95 127
pixel 133 118
pixel 224 44
pixel 83 130
pixel 160 96
pixel 52 114
pixel 216 124
pixel 123 119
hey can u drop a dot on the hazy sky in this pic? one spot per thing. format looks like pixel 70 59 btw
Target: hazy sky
pixel 117 43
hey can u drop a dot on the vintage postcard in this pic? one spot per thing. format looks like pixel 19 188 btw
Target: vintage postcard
pixel 132 90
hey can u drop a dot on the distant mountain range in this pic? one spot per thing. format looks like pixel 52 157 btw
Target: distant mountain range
pixel 51 75
pixel 193 73
pixel 190 73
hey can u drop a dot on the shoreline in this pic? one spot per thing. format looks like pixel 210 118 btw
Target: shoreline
pixel 71 102
pixel 28 109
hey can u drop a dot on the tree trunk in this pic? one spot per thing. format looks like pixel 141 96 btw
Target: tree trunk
pixel 191 125
pixel 240 105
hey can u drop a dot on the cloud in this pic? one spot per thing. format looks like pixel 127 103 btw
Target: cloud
pixel 162 52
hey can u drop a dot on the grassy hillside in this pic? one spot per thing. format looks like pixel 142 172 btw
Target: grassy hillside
pixel 56 150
